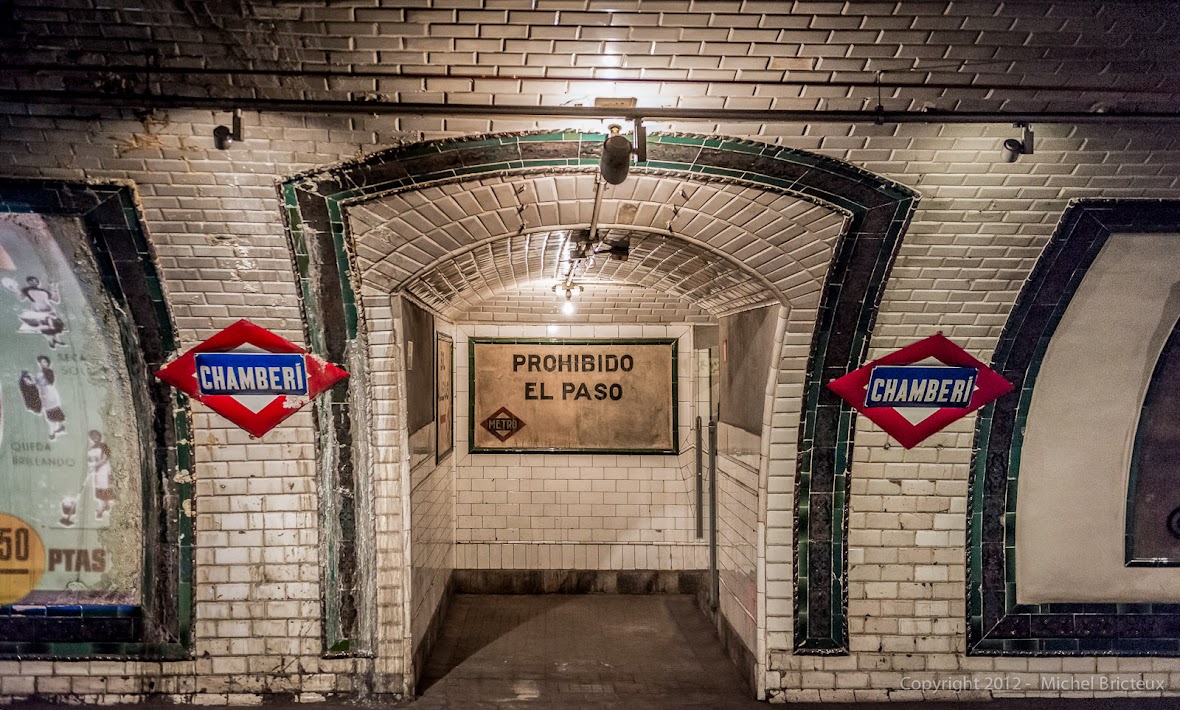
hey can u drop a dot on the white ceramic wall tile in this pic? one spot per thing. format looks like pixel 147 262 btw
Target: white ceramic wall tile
pixel 216 227
pixel 601 502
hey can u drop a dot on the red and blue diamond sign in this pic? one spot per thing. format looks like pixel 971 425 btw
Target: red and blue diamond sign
pixel 920 389
pixel 251 376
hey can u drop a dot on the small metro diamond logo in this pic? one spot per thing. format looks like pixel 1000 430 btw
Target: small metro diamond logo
pixel 912 425
pixel 503 424
pixel 256 398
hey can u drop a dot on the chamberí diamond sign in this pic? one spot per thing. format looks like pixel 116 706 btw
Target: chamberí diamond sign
pixel 920 389
pixel 251 376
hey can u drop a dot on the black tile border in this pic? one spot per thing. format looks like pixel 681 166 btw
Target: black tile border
pixel 879 214
pixel 160 627
pixel 996 624
pixel 848 308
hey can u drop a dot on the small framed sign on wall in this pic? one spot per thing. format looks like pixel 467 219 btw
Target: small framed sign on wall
pixel 444 411
pixel 573 396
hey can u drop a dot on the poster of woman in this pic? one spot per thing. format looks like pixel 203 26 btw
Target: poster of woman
pixel 75 452
pixel 40 315
pixel 41 396
pixel 98 474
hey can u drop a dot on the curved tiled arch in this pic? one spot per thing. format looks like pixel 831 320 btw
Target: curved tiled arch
pixel 878 214
pixel 773 235
pixel 604 303
pixel 997 625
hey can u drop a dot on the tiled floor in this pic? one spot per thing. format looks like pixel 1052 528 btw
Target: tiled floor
pixel 620 652
pixel 604 652
pixel 574 651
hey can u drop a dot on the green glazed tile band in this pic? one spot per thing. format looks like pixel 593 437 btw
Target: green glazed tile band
pixel 997 625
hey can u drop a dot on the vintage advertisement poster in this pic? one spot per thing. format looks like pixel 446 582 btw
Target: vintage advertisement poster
pixel 573 396
pixel 444 390
pixel 70 456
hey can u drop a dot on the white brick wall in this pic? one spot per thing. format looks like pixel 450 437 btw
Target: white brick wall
pixel 972 242
pixel 974 211
pixel 432 531
pixel 737 554
pixel 388 481
pixel 214 222
pixel 576 511
pixel 1043 53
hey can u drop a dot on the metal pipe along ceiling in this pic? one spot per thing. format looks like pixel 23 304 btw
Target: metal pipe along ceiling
pixel 916 78
pixel 391 108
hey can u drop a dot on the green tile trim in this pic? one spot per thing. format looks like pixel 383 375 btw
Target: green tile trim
pixel 880 211
pixel 344 265
pixel 297 241
pixel 334 526
pixel 366 190
pixel 997 625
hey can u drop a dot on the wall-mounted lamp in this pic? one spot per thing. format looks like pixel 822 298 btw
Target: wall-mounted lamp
pixel 617 151
pixel 224 137
pixel 616 156
pixel 1013 149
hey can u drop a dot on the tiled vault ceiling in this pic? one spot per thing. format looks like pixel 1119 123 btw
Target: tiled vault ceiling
pixel 657 263
pixel 714 246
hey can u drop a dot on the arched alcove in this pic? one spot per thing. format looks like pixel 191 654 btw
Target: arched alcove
pixel 721 225
pixel 1121 610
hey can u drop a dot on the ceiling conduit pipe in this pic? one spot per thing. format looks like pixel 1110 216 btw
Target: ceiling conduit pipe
pixel 650 113
pixel 915 78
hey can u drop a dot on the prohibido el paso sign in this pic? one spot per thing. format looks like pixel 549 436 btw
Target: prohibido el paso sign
pixel 573 395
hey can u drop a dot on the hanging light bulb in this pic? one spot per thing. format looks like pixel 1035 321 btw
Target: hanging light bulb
pixel 567 307
pixel 569 290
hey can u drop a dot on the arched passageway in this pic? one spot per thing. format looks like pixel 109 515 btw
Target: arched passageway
pixel 785 252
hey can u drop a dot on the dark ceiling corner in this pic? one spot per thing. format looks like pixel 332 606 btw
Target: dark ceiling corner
pixel 8 18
